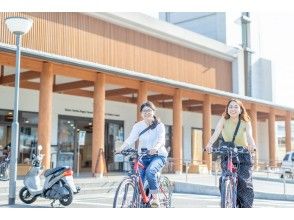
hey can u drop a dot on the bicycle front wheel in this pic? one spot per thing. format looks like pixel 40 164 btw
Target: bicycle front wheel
pixel 165 192
pixel 227 194
pixel 126 195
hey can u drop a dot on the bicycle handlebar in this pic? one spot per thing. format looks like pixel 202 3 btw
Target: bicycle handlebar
pixel 226 150
pixel 132 151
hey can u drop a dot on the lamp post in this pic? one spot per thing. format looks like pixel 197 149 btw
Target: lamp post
pixel 18 26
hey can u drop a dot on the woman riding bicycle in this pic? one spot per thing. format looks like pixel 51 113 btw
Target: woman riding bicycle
pixel 227 125
pixel 151 134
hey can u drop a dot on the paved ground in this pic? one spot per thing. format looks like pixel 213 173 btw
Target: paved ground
pixel 104 200
pixel 99 192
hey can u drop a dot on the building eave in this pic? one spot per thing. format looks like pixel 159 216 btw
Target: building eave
pixel 134 75
pixel 168 32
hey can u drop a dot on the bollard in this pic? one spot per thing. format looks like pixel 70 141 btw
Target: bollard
pixel 284 182
pixel 267 171
pixel 187 167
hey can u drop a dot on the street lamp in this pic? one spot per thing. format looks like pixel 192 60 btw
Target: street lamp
pixel 18 26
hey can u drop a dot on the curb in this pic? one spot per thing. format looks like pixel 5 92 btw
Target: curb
pixel 182 187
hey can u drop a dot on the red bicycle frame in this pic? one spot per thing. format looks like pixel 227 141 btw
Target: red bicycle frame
pixel 137 165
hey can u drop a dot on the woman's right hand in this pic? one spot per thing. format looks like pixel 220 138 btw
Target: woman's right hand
pixel 208 148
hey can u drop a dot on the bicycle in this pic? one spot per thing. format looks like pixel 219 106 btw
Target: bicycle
pixel 4 169
pixel 229 177
pixel 131 190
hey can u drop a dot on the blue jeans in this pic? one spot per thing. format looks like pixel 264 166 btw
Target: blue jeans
pixel 152 165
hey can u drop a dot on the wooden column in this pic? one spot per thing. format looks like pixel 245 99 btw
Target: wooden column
pixel 288 131
pixel 142 97
pixel 177 131
pixel 206 123
pixel 272 138
pixel 45 112
pixel 253 114
pixel 98 125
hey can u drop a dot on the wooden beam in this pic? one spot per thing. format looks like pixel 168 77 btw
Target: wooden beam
pixel 74 72
pixel 9 79
pixel 195 108
pixel 119 92
pixel 8 59
pixel 122 99
pixel 185 103
pixel 192 95
pixel 30 85
pixel 159 97
pixel 190 102
pixel 27 85
pixel 160 88
pixel 122 81
pixel 2 71
pixel 80 92
pixel 72 85
pixel 262 115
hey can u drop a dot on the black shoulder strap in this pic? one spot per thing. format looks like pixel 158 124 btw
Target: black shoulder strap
pixel 236 130
pixel 152 126
pixel 146 129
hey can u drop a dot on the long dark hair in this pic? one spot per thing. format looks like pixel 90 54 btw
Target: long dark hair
pixel 243 115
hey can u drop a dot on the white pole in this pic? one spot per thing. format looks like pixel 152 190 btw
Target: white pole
pixel 15 128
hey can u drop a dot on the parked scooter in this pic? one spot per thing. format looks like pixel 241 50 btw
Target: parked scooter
pixel 58 183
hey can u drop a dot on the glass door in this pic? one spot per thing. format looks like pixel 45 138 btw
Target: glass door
pixel 114 137
pixel 68 143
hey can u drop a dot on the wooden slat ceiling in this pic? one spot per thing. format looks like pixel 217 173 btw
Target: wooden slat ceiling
pixel 115 92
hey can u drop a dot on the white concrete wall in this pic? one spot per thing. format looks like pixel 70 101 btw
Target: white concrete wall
pixel 83 107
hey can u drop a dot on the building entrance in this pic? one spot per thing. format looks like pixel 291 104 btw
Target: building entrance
pixel 114 137
pixel 68 143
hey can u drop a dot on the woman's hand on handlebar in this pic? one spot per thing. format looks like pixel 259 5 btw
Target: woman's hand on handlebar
pixel 208 148
pixel 251 148
pixel 119 150
pixel 152 152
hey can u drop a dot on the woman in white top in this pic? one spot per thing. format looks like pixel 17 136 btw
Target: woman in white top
pixel 152 140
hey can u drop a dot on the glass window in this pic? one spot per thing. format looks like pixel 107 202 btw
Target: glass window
pixel 66 135
pixel 28 136
pixel 28 132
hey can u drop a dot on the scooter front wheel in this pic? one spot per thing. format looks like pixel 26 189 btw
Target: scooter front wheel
pixel 26 197
pixel 67 199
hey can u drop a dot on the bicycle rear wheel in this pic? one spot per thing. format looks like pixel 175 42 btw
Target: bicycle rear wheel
pixel 126 195
pixel 227 196
pixel 165 192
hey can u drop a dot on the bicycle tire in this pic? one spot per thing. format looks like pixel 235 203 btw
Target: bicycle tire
pixel 165 192
pixel 227 193
pixel 126 185
pixel 234 189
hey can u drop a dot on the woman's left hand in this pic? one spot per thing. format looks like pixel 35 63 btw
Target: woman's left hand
pixel 153 151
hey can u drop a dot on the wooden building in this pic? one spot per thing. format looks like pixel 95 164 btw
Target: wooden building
pixel 124 59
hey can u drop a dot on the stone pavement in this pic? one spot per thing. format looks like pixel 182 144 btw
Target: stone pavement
pixel 266 186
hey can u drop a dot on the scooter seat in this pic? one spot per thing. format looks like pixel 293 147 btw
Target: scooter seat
pixel 54 170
